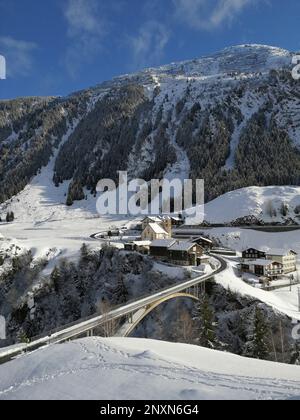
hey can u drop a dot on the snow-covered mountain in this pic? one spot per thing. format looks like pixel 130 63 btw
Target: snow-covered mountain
pixel 231 118
pixel 129 369
pixel 241 59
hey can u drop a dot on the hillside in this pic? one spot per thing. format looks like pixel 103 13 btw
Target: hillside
pixel 231 118
pixel 261 204
pixel 101 369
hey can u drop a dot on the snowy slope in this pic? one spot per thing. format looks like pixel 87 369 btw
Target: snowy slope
pixel 46 226
pixel 110 369
pixel 240 59
pixel 283 300
pixel 254 201
pixel 235 79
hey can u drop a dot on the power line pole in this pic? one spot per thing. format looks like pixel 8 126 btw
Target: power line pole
pixel 299 299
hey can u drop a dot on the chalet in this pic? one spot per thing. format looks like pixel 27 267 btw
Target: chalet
pixel 114 233
pixel 288 258
pixel 185 253
pixel 129 246
pixel 151 219
pixel 263 268
pixel 160 248
pixel 177 221
pixel 205 243
pixel 254 254
pixel 164 221
pixel 153 232
pixel 143 247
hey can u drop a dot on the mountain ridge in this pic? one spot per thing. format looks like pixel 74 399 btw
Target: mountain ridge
pixel 231 117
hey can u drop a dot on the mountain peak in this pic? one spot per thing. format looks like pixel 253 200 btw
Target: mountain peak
pixel 251 58
pixel 257 48
pixel 238 59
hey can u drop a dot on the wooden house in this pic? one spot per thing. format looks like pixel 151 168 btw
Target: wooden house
pixel 185 253
pixel 254 254
pixel 160 248
pixel 205 243
pixel 263 268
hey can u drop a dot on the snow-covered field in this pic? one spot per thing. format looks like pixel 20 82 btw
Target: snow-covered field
pixel 126 369
pixel 241 239
pixel 254 201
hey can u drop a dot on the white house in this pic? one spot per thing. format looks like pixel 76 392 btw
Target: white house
pixel 263 268
pixel 151 219
pixel 153 232
pixel 288 258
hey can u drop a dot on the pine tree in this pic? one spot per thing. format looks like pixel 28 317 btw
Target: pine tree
pixel 69 201
pixel 22 336
pixel 121 292
pixel 10 217
pixel 84 254
pixel 55 278
pixel 257 346
pixel 207 335
pixel 284 209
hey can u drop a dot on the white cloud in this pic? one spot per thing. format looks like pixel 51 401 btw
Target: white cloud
pixel 18 54
pixel 209 14
pixel 86 30
pixel 82 16
pixel 149 44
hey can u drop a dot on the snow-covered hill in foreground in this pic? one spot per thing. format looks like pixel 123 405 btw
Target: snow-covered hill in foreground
pixel 128 369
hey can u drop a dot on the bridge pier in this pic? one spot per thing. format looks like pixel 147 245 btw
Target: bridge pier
pixel 197 290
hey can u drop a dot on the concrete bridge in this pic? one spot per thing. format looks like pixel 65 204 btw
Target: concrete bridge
pixel 135 319
pixel 133 313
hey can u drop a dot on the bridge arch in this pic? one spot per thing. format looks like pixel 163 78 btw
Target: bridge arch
pixel 153 306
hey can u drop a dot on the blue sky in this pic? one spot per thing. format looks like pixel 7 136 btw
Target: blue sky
pixel 56 47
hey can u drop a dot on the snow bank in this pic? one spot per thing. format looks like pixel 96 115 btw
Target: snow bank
pixel 109 369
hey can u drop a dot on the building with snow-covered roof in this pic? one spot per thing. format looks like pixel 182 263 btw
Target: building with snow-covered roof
pixel 154 231
pixel 263 268
pixel 185 253
pixel 205 243
pixel 288 258
pixel 160 248
pixel 254 254
pixel 177 252
pixel 151 219
pixel 177 221
pixel 143 247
